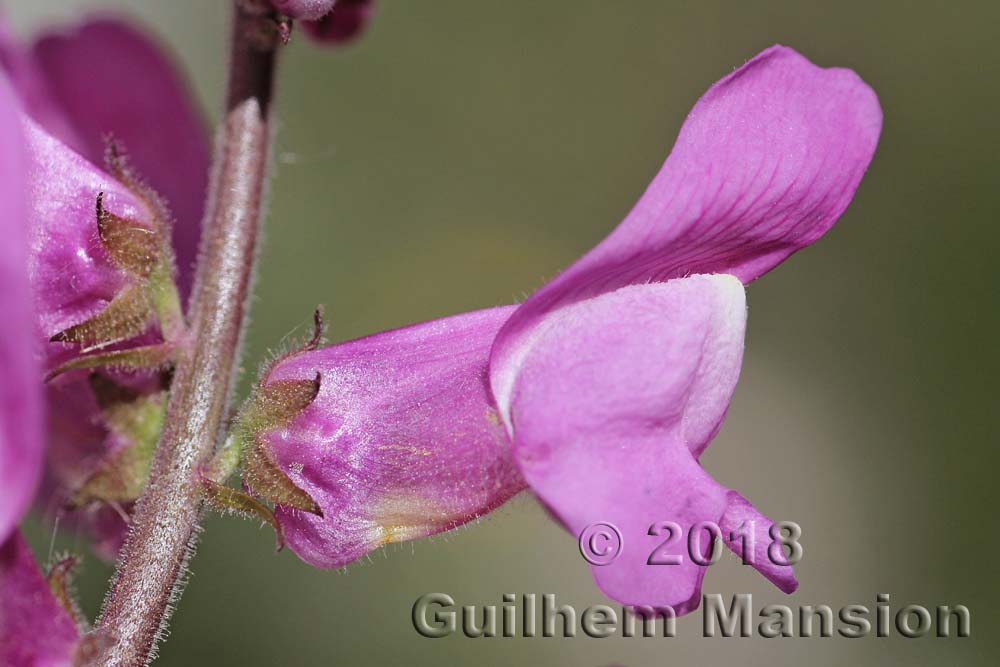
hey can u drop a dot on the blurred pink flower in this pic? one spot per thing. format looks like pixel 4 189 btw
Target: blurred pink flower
pixel 329 21
pixel 601 391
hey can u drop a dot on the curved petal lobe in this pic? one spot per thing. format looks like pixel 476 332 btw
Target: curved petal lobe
pixel 603 406
pixel 743 519
pixel 765 163
pixel 401 442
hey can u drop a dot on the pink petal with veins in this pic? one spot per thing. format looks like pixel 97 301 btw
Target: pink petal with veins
pixel 765 163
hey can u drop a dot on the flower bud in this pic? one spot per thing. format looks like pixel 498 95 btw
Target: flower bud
pixel 400 442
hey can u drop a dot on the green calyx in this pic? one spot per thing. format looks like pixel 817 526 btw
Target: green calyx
pixel 272 404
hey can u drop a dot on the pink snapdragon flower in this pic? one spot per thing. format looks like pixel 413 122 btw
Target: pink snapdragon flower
pixel 600 392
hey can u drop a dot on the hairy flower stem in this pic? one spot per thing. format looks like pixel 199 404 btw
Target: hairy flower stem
pixel 152 566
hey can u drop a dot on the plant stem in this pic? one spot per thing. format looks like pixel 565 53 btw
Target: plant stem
pixel 151 570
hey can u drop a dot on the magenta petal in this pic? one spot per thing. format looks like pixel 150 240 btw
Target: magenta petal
pixel 21 441
pixel 112 79
pixel 604 405
pixel 765 163
pixel 35 630
pixel 742 518
pixel 401 442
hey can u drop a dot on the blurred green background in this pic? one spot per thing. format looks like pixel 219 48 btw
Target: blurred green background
pixel 463 152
